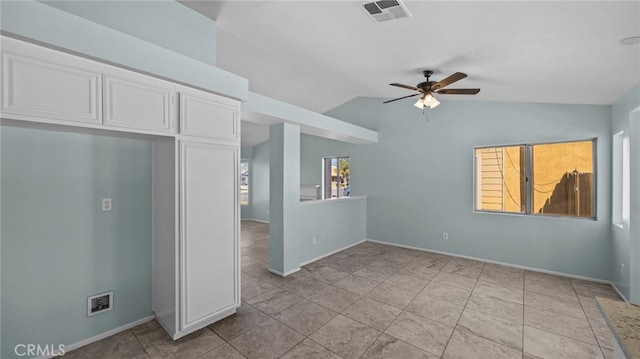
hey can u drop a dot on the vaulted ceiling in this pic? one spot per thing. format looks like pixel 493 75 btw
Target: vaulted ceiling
pixel 320 54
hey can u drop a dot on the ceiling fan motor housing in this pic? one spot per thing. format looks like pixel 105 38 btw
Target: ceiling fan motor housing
pixel 425 85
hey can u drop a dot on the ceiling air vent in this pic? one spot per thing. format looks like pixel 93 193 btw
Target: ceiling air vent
pixel 386 10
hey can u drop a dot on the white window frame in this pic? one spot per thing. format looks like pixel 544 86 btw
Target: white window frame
pixel 620 180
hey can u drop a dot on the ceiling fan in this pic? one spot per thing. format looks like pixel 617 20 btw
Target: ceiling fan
pixel 428 87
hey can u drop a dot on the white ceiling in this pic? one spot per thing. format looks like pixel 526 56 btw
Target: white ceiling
pixel 320 54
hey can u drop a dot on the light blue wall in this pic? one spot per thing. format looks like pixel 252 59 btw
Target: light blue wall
pixel 621 237
pixel 259 201
pixel 335 224
pixel 165 23
pixel 58 247
pixel 634 233
pixel 419 181
pixel 284 198
pixel 43 23
pixel 313 149
pixel 246 153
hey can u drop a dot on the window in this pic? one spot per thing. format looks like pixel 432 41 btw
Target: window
pixel 620 208
pixel 500 179
pixel 541 179
pixel 244 183
pixel 336 177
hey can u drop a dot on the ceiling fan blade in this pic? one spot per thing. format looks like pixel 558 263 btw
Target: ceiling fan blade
pixel 458 91
pixel 405 86
pixel 449 80
pixel 400 98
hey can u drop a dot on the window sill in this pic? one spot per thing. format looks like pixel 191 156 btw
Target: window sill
pixel 560 217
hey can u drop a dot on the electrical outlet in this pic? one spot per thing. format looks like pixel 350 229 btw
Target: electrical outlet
pixel 445 236
pixel 621 268
pixel 314 240
pixel 106 204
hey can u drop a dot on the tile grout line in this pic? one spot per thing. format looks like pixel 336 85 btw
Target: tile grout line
pixel 139 342
pixel 396 318
pixel 524 273
pixel 588 321
pixel 393 321
pixel 463 309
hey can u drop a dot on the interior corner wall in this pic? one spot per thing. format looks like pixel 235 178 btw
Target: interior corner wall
pixel 419 181
pixel 621 239
pixel 59 247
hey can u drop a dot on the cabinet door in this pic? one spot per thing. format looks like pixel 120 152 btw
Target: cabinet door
pixel 45 85
pixel 138 102
pixel 207 115
pixel 209 225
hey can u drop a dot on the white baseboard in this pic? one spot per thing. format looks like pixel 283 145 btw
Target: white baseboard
pixel 532 269
pixel 284 274
pixel 70 347
pixel 255 220
pixel 330 253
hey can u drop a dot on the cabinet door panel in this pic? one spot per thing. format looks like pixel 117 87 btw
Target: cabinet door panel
pixel 206 115
pixel 49 90
pixel 138 102
pixel 209 230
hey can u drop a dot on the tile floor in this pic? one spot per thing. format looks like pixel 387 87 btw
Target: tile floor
pixel 379 301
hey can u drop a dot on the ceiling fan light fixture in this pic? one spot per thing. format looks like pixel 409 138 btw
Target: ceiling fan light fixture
pixel 428 99
pixel 428 87
pixel 434 103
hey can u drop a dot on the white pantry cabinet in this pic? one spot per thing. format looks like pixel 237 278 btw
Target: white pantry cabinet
pixel 208 217
pixel 196 257
pixel 43 85
pixel 197 260
pixel 138 102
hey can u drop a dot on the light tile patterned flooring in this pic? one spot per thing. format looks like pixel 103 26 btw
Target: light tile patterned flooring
pixel 379 301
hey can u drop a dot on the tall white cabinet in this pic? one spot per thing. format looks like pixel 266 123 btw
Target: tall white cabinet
pixel 208 219
pixel 197 277
pixel 196 140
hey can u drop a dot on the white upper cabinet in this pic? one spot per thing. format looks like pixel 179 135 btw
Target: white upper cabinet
pixel 204 114
pixel 140 102
pixel 40 84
